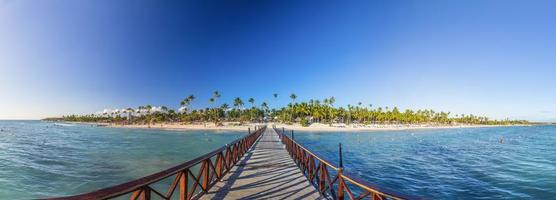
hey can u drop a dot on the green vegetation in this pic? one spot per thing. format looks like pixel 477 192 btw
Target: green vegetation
pixel 305 113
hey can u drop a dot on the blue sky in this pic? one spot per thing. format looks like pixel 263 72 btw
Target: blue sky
pixel 492 58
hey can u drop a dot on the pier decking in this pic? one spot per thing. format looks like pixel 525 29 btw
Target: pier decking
pixel 265 172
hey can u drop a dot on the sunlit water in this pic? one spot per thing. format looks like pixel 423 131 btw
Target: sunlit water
pixel 468 163
pixel 40 159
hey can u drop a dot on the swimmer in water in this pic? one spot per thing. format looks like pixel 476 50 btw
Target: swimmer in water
pixel 501 141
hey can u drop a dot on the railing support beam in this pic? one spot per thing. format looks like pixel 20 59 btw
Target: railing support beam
pixel 183 185
pixel 341 185
pixel 205 172
pixel 145 194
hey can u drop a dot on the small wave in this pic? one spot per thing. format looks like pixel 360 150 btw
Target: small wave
pixel 61 124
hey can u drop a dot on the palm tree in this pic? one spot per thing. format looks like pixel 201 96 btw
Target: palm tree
pixel 140 108
pixel 186 102
pixel 225 108
pixel 293 97
pixel 264 107
pixel 215 112
pixel 349 111
pixel 253 109
pixel 238 102
pixel 191 98
pixel 148 116
pixel 252 101
pixel 275 95
pixel 216 95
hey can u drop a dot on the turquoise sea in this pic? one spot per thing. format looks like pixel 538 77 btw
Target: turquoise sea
pixel 42 159
pixel 467 163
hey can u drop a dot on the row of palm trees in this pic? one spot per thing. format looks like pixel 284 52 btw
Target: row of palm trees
pixel 312 111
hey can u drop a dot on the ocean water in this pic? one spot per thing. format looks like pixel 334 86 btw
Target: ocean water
pixel 468 163
pixel 42 159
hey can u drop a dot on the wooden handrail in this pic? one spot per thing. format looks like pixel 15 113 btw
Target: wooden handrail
pixel 316 169
pixel 208 174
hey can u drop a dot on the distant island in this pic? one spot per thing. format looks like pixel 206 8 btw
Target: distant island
pixel 302 114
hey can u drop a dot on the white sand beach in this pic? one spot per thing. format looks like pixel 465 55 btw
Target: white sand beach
pixel 236 126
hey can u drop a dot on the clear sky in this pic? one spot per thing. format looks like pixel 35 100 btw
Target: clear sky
pixel 492 58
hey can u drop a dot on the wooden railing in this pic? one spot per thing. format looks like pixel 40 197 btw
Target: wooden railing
pixel 210 168
pixel 339 184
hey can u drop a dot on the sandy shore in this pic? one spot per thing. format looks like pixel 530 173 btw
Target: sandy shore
pixel 314 127
pixel 380 127
pixel 179 126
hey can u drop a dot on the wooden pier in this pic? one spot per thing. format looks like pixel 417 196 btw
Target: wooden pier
pixel 265 164
pixel 266 171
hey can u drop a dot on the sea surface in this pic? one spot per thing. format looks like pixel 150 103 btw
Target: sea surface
pixel 466 163
pixel 44 159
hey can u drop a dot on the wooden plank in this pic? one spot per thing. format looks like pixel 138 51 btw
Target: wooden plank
pixel 264 172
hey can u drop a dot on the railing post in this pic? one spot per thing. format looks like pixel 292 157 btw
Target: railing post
pixel 292 136
pixel 206 175
pixel 237 149
pixel 183 185
pixel 227 157
pixel 283 130
pixel 233 155
pixel 341 163
pixel 244 142
pixel 322 170
pixel 218 168
pixel 249 130
pixel 294 151
pixel 341 185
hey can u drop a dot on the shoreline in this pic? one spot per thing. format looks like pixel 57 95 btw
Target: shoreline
pixel 316 127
